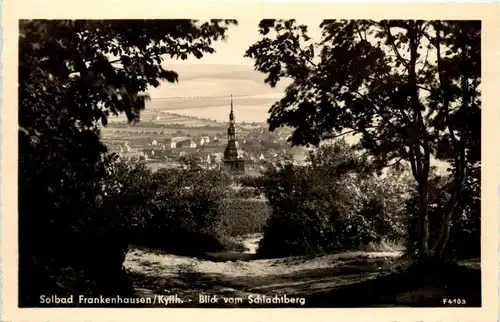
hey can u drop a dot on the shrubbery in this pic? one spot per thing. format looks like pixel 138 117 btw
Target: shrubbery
pixel 251 181
pixel 244 216
pixel 245 193
pixel 329 205
pixel 177 210
pixel 69 243
pixel 187 210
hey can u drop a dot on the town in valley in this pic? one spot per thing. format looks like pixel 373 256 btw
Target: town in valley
pixel 162 138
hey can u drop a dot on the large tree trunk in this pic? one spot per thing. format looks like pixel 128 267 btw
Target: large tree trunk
pixel 458 145
pixel 422 157
pixel 450 208
pixel 444 234
pixel 423 222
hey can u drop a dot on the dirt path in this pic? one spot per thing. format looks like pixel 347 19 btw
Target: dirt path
pixel 297 276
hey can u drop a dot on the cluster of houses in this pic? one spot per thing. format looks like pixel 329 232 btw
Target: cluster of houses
pixel 208 150
pixel 182 142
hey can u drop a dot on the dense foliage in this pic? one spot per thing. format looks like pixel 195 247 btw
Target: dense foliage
pixel 337 203
pixel 188 210
pixel 331 204
pixel 408 88
pixel 251 181
pixel 178 210
pixel 244 216
pixel 73 74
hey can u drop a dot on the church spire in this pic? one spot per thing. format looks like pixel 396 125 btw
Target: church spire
pixel 232 159
pixel 231 113
pixel 231 131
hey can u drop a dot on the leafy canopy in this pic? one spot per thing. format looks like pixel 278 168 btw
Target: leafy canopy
pixel 381 80
pixel 75 73
pixel 408 88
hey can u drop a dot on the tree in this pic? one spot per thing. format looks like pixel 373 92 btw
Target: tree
pixel 408 89
pixel 74 74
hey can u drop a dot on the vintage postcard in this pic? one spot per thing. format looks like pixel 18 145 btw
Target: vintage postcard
pixel 249 161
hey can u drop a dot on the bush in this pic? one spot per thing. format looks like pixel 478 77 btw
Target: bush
pixel 465 236
pixel 68 242
pixel 383 206
pixel 229 244
pixel 330 205
pixel 243 217
pixel 176 210
pixel 251 181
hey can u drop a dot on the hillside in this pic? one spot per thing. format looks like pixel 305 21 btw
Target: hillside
pixel 216 80
pixel 204 91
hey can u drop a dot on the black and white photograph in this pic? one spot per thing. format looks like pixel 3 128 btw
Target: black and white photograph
pixel 303 162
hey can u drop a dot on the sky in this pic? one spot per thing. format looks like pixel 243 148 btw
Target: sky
pixel 204 77
pixel 232 50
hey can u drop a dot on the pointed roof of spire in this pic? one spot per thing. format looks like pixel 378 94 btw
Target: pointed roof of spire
pixel 231 114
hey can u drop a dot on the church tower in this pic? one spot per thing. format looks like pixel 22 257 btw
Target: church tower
pixel 233 158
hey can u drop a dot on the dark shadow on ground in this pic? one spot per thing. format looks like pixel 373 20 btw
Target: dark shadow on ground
pixel 413 288
pixel 228 256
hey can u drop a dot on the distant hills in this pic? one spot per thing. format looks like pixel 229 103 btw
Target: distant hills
pixel 217 80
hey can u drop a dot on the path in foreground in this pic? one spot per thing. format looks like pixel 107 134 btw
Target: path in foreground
pixel 354 279
pixel 297 276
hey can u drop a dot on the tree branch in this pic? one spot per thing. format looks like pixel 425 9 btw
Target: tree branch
pixel 300 49
pixel 390 37
pixel 396 162
pixel 375 107
pixel 329 137
pixel 444 87
pixel 413 164
pixel 430 90
pixel 359 33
